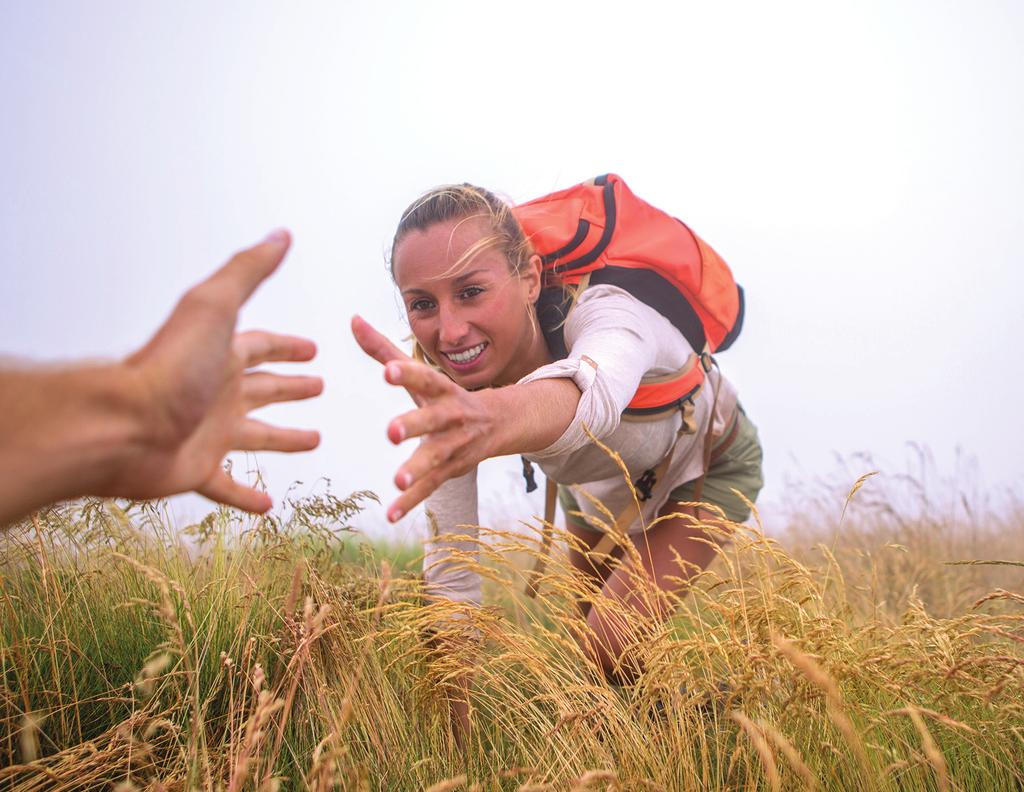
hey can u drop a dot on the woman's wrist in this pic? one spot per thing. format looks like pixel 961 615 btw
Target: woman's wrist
pixel 500 427
pixel 531 416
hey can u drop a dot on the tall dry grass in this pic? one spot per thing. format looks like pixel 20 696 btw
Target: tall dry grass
pixel 270 654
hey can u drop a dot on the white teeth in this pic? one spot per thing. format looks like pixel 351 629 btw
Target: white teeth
pixel 467 355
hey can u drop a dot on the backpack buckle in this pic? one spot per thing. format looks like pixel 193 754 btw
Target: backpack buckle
pixel 531 480
pixel 706 361
pixel 645 484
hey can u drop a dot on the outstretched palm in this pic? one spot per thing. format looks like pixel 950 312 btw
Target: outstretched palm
pixel 197 374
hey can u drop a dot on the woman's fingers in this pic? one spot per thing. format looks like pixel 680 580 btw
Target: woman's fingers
pixel 258 346
pixel 223 489
pixel 422 383
pixel 434 453
pixel 418 378
pixel 436 417
pixel 428 457
pixel 374 343
pixel 377 346
pixel 253 435
pixel 433 468
pixel 261 388
pixel 420 491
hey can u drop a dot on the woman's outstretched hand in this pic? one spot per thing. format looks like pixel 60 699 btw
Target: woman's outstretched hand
pixel 458 428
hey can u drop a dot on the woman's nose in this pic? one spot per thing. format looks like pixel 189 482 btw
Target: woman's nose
pixel 454 328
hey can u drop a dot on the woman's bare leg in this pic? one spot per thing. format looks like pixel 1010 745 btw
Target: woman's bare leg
pixel 620 622
pixel 593 570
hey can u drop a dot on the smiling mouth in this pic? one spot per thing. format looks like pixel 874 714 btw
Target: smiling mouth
pixel 466 355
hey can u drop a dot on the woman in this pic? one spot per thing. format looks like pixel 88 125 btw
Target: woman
pixel 470 283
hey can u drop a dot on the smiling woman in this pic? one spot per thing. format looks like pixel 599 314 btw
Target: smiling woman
pixel 471 281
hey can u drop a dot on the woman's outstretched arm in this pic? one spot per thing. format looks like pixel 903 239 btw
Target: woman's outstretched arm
pixel 460 428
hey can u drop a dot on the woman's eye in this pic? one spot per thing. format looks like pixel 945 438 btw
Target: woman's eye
pixel 470 292
pixel 420 305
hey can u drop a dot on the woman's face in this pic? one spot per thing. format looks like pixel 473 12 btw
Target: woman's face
pixel 474 321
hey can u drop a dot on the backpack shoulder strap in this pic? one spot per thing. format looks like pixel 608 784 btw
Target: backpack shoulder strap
pixel 552 310
pixel 548 530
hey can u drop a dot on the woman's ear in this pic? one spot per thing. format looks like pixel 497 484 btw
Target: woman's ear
pixel 534 276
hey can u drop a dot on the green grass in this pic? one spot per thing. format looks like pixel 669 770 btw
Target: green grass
pixel 294 654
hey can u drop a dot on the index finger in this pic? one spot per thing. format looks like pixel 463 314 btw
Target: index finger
pixel 374 343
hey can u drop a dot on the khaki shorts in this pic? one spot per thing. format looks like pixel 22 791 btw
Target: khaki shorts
pixel 738 468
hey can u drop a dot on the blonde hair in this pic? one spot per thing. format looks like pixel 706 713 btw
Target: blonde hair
pixel 467 202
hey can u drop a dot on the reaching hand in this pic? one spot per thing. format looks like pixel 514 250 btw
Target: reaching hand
pixel 196 376
pixel 457 426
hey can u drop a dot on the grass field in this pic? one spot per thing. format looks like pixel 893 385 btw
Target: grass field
pixel 289 653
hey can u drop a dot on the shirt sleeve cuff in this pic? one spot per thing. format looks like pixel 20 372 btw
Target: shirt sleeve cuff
pixel 596 409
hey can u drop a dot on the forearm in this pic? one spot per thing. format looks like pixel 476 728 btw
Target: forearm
pixel 452 512
pixel 65 433
pixel 531 416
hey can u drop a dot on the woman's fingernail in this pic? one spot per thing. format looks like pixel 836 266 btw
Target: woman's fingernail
pixel 395 515
pixel 394 372
pixel 278 235
pixel 404 480
pixel 400 432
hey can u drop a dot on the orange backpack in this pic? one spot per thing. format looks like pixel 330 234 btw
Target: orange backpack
pixel 600 232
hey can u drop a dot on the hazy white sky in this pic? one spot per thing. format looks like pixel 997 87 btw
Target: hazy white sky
pixel 859 165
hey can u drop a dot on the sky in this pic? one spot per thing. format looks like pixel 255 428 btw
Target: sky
pixel 859 165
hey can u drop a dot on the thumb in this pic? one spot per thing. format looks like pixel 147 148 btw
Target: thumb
pixel 248 268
